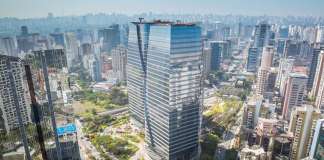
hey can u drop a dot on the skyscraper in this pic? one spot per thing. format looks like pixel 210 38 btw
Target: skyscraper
pixel 12 66
pixel 58 39
pixel 294 93
pixel 164 82
pixel 207 61
pixel 14 109
pixel 119 58
pixel 264 70
pixel 216 55
pixel 8 46
pixel 34 124
pixel 110 37
pixel 262 34
pixel 252 60
pixel 281 45
pixel 317 148
pixel 318 84
pixel 45 65
pixel 302 124
pixel 285 67
pixel 315 68
pixel 317 78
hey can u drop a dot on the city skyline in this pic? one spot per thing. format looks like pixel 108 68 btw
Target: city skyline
pixel 26 9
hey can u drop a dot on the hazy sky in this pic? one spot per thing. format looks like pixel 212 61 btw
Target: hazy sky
pixel 40 8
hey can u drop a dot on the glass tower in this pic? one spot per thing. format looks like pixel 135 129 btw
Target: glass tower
pixel 164 82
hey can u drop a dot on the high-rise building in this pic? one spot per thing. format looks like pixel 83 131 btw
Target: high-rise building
pixel 284 32
pixel 315 68
pixel 24 30
pixel 285 67
pixel 262 35
pixel 45 66
pixel 262 80
pixel 164 86
pixel 58 39
pixel 216 55
pixel 72 48
pixel 15 113
pixel 317 148
pixel 281 45
pixel 252 111
pixel 35 123
pixel 12 67
pixel 8 46
pixel 86 49
pixel 294 93
pixel 94 68
pixel 319 35
pixel 267 57
pixel 110 37
pixel 207 61
pixel 252 60
pixel 318 75
pixel 292 48
pixel 119 58
pixel 302 125
pixel 264 70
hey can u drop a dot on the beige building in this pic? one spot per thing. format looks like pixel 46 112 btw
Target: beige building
pixel 302 125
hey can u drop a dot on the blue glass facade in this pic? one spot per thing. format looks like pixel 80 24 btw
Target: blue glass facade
pixel 169 84
pixel 216 55
pixel 253 59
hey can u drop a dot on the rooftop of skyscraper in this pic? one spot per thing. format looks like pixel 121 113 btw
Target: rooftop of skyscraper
pixel 165 22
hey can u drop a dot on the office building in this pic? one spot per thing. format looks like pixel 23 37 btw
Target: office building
pixel 317 78
pixel 294 93
pixel 252 60
pixel 94 68
pixel 264 70
pixel 119 60
pixel 164 86
pixel 317 148
pixel 207 61
pixel 72 49
pixel 216 55
pixel 292 48
pixel 110 37
pixel 58 39
pixel 302 125
pixel 18 99
pixel 261 35
pixel 45 66
pixel 315 68
pixel 281 45
pixel 284 32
